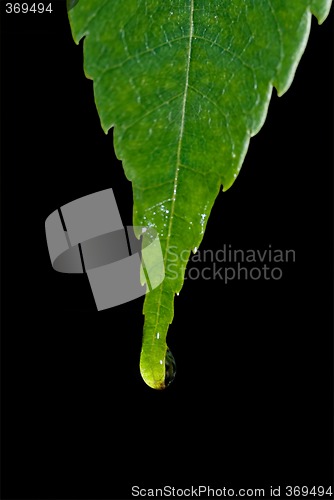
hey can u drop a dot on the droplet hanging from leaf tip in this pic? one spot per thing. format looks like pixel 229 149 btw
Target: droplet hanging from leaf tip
pixel 170 368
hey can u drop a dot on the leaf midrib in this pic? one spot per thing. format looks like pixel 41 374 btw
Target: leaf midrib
pixel 179 149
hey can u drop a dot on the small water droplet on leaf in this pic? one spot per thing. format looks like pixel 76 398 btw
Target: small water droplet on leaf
pixel 170 368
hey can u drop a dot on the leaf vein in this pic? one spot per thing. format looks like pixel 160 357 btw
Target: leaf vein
pixel 178 161
pixel 136 56
pixel 140 118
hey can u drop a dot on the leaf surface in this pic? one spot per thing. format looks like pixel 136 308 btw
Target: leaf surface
pixel 185 84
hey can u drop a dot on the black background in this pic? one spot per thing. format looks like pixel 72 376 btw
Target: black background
pixel 251 405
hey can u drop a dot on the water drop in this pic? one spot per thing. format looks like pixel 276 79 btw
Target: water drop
pixel 170 368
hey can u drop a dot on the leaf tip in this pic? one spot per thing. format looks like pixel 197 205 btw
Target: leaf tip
pixel 321 12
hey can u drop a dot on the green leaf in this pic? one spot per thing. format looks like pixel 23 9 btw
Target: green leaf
pixel 186 84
